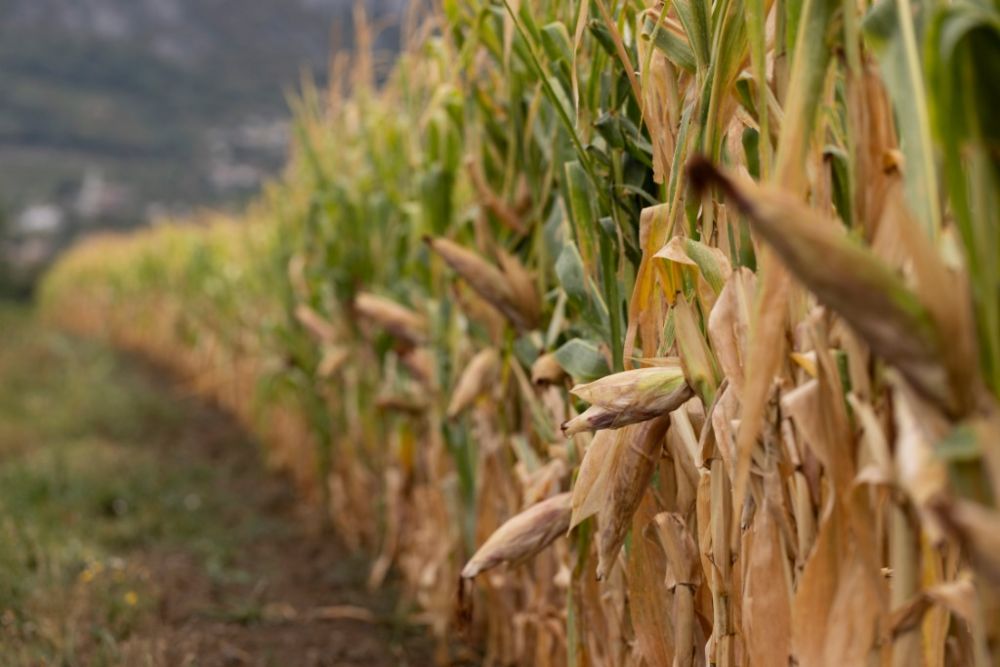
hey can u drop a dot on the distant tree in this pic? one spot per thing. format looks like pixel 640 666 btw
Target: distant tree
pixel 7 286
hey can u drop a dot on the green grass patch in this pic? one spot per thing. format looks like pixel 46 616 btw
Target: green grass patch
pixel 88 482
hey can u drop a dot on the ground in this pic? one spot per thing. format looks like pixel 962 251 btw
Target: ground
pixel 137 527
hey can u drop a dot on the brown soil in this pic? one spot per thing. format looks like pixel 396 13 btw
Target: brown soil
pixel 294 596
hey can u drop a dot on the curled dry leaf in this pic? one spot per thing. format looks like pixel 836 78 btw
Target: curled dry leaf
pixel 683 578
pixel 682 553
pixel 729 325
pixel 477 378
pixel 522 536
pixel 766 596
pixel 590 486
pixel 400 321
pixel 852 281
pixel 977 529
pixel 804 407
pixel 712 266
pixel 958 596
pixel 921 474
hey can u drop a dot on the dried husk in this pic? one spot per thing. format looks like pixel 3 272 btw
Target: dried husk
pixel 508 293
pixel 547 371
pixel 400 321
pixel 766 596
pixel 334 358
pixel 629 397
pixel 683 578
pixel 522 536
pixel 477 378
pixel 636 459
pixel 315 324
pixel 649 599
pixel 590 487
pixel 729 325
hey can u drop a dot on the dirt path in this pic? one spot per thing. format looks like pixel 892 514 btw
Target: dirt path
pixel 295 596
pixel 144 531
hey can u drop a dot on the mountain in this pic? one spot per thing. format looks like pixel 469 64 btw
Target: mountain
pixel 113 110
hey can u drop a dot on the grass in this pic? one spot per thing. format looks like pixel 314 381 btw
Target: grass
pixel 87 485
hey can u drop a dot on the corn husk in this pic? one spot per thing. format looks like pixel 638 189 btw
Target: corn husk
pixel 477 378
pixel 398 320
pixel 629 397
pixel 522 536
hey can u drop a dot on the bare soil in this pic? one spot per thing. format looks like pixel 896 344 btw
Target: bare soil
pixel 139 526
pixel 297 596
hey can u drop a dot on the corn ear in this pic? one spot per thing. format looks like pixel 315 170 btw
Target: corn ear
pixel 629 397
pixel 522 536
pixel 628 478
pixel 400 321
pixel 476 379
pixel 507 292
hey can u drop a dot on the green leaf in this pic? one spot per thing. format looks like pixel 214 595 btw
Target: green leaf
pixel 581 209
pixel 583 360
pixel 581 294
pixel 891 32
pixel 572 276
pixel 694 18
pixel 708 263
pixel 557 43
pixel 674 46
pixel 963 64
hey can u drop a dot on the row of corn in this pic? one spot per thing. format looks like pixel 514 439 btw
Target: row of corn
pixel 626 332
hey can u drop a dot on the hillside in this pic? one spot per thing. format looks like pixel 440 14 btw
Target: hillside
pixel 116 110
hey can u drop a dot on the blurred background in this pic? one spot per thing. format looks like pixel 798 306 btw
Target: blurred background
pixel 117 112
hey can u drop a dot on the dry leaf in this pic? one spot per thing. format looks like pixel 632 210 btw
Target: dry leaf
pixel 766 598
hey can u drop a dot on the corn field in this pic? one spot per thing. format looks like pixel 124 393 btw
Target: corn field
pixel 626 332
